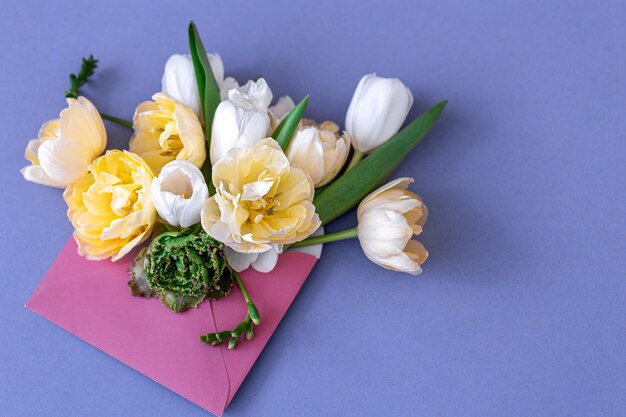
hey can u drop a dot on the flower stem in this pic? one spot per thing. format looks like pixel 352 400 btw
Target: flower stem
pixel 332 237
pixel 116 120
pixel 356 158
pixel 252 310
pixel 245 328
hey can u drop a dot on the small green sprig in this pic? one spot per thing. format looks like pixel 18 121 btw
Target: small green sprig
pixel 87 69
pixel 245 328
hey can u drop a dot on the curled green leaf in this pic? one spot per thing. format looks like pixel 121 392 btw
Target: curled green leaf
pixel 287 127
pixel 347 191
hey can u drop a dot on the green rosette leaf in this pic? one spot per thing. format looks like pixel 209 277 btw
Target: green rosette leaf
pixel 183 269
pixel 138 283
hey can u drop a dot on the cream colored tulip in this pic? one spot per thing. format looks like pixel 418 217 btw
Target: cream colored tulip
pixel 166 130
pixel 242 120
pixel 179 192
pixel 377 111
pixel 283 106
pixel 320 151
pixel 110 207
pixel 179 79
pixel 261 201
pixel 388 218
pixel 66 146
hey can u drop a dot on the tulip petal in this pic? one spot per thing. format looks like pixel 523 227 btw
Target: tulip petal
pixel 266 261
pixel 64 160
pixel 36 174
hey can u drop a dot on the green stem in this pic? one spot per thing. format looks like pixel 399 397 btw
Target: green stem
pixel 242 287
pixel 116 120
pixel 252 310
pixel 356 158
pixel 332 237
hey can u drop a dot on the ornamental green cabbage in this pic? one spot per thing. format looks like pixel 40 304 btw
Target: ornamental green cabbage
pixel 182 268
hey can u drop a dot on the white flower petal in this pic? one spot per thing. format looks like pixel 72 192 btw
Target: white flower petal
pixel 237 260
pixel 377 111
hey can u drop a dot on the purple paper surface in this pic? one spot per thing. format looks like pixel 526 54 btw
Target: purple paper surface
pixel 521 309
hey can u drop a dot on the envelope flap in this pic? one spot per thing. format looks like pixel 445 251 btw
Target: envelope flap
pixel 272 293
pixel 91 300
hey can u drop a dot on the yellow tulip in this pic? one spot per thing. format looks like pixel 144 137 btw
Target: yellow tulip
pixel 110 207
pixel 165 130
pixel 260 201
pixel 66 146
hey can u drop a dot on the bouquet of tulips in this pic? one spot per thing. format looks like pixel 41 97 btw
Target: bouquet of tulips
pixel 217 180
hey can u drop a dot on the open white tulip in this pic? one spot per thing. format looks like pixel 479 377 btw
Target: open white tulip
pixel 261 262
pixel 179 79
pixel 388 218
pixel 266 261
pixel 320 151
pixel 242 120
pixel 377 111
pixel 178 193
pixel 66 147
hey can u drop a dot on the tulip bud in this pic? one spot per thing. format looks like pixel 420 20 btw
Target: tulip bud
pixel 179 79
pixel 377 111
pixel 179 192
pixel 241 327
pixel 388 218
pixel 320 151
pixel 250 333
pixel 242 120
pixel 254 314
pixel 232 343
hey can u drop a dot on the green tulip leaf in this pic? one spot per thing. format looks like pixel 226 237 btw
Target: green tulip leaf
pixel 209 93
pixel 348 191
pixel 287 127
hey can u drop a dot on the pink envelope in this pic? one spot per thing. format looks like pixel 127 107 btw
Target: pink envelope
pixel 92 301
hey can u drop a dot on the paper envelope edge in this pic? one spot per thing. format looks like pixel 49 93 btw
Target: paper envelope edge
pixel 231 378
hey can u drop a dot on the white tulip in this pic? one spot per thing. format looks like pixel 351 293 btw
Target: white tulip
pixel 242 120
pixel 279 110
pixel 179 192
pixel 266 261
pixel 377 111
pixel 179 79
pixel 228 84
pixel 254 93
pixel 262 262
pixel 283 106
pixel 388 218
pixel 320 151
pixel 66 147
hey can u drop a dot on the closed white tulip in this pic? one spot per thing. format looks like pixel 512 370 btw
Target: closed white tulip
pixel 179 192
pixel 179 79
pixel 242 119
pixel 377 111
pixel 388 219
pixel 320 151
pixel 66 146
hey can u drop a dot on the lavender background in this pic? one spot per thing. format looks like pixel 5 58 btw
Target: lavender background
pixel 521 308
